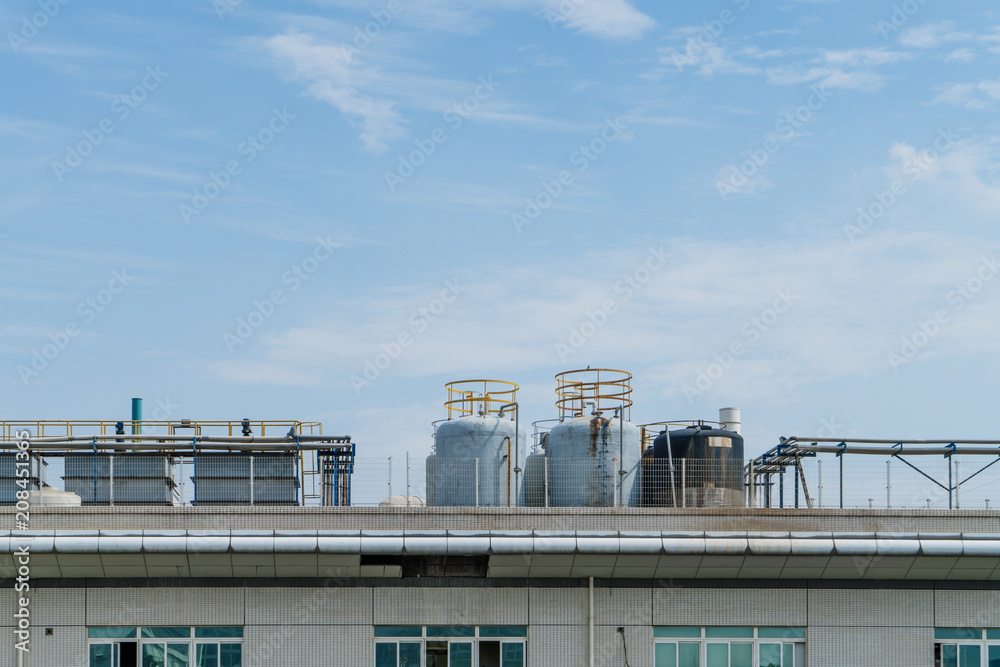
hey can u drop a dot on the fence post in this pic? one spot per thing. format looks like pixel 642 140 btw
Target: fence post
pixel 407 478
pixel 111 480
pixel 390 477
pixel 545 485
pixel 476 472
pixel 251 479
pixel 684 482
pixel 841 456
pixel 819 473
pixel 958 486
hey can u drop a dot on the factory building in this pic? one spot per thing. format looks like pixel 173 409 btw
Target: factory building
pixel 590 540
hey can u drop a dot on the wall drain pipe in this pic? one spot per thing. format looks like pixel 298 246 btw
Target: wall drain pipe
pixel 591 653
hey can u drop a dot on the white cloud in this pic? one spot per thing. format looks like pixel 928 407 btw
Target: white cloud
pixel 980 96
pixel 331 75
pixel 932 34
pixel 606 19
pixel 963 56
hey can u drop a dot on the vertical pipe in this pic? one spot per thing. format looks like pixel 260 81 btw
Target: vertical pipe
pixel 136 416
pixel 591 620
pixel 781 487
pixel 796 476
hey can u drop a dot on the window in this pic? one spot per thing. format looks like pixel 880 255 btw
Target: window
pixel 450 646
pixel 730 646
pixel 967 647
pixel 182 646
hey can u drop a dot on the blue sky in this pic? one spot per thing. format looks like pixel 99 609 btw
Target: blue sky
pixel 232 208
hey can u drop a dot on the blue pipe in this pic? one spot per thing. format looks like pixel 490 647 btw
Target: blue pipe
pixel 136 416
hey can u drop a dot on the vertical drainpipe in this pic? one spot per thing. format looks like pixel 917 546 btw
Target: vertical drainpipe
pixel 591 653
pixel 136 416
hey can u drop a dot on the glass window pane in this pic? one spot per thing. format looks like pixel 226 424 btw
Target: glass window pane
pixel 717 655
pixel 688 655
pixel 993 659
pixel 409 654
pixel 770 655
pixel 741 655
pixel 107 633
pixel 207 655
pixel 800 655
pixel 781 633
pixel 992 633
pixel 166 633
pixel 666 655
pixel 949 655
pixel 100 655
pixel 720 632
pixel 512 654
pixel 503 631
pixel 676 631
pixel 969 655
pixel 219 632
pixel 958 633
pixel 398 631
pixel 230 655
pixel 152 655
pixel 385 655
pixel 177 655
pixel 460 654
pixel 451 631
pixel 788 654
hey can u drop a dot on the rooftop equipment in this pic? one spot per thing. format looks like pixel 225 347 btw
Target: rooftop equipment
pixel 479 449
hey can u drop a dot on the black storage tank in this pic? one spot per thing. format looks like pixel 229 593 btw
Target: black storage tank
pixel 708 469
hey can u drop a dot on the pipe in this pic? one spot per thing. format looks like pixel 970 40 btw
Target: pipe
pixel 591 653
pixel 897 451
pixel 517 439
pixel 136 416
pixel 587 402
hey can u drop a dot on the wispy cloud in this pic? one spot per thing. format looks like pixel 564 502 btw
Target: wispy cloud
pixel 606 19
pixel 982 96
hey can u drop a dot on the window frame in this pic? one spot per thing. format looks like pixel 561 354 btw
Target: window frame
pixel 988 638
pixel 716 635
pixel 192 641
pixel 434 635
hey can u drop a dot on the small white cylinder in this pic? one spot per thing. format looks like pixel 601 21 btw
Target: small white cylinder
pixel 730 419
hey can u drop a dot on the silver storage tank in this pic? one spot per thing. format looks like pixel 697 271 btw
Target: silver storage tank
pixel 473 462
pixel 535 468
pixel 586 455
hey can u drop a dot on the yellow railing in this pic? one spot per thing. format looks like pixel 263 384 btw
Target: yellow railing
pixel 471 397
pixel 607 387
pixel 67 428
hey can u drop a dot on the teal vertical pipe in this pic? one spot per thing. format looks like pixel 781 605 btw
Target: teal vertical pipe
pixel 136 416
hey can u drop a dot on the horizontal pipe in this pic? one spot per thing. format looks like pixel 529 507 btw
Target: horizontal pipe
pixel 159 442
pixel 898 451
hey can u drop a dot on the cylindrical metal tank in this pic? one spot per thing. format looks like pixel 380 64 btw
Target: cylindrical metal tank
pixel 535 472
pixel 474 462
pixel 707 469
pixel 586 456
